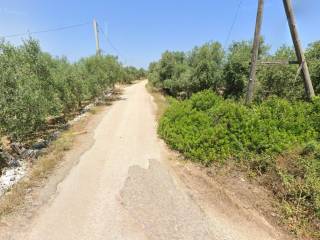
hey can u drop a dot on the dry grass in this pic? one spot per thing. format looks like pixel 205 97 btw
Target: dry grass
pixel 159 99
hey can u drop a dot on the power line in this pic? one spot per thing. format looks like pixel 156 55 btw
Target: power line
pixel 111 44
pixel 47 30
pixel 235 18
pixel 109 41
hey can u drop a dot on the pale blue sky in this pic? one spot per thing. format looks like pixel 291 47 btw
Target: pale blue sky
pixel 141 30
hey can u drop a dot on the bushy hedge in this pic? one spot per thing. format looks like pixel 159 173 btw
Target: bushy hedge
pixel 34 85
pixel 209 129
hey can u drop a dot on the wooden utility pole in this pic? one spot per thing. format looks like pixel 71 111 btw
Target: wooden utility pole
pixel 298 49
pixel 96 34
pixel 255 52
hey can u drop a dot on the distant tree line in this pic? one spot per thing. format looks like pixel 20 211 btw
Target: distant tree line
pixel 181 74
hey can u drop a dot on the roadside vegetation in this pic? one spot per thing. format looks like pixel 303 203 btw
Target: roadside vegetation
pixel 39 93
pixel 38 90
pixel 275 140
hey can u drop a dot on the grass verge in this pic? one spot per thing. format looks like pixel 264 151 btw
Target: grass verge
pixel 159 99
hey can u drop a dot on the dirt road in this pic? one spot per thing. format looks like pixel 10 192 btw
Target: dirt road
pixel 123 188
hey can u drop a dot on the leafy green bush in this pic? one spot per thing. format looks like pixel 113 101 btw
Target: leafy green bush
pixel 209 129
pixel 270 127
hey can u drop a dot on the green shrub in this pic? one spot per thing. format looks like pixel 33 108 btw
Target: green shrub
pixel 209 129
pixel 271 127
